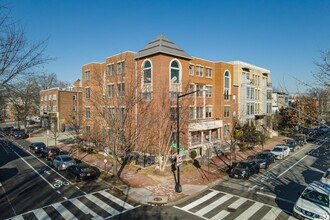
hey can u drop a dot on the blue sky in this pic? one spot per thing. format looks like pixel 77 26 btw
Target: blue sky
pixel 284 36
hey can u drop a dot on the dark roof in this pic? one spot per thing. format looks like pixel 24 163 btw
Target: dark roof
pixel 162 44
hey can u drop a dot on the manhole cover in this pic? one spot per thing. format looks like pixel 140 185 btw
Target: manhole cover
pixel 231 210
pixel 157 199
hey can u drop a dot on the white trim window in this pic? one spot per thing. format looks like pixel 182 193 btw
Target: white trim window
pixel 208 112
pixel 200 88
pixel 88 112
pixel 199 71
pixel 110 69
pixel 226 130
pixel 208 72
pixel 87 93
pixel 208 91
pixel 175 78
pixel 191 112
pixel 111 90
pixel 226 112
pixel 121 67
pixel 226 85
pixel 191 69
pixel 121 89
pixel 74 97
pixel 147 80
pixel 88 130
pixel 54 97
pixel 199 112
pixel 87 75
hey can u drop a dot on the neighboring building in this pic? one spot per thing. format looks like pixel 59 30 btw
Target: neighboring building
pixel 280 100
pixel 255 95
pixel 160 72
pixel 59 108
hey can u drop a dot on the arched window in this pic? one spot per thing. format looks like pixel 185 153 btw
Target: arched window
pixel 147 80
pixel 175 72
pixel 147 72
pixel 226 85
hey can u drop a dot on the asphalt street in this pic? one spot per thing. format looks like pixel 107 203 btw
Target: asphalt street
pixel 30 189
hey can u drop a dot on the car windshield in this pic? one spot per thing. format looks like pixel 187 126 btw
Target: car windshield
pixel 261 156
pixel 66 158
pixel 40 144
pixel 243 165
pixel 278 149
pixel 290 143
pixel 85 169
pixel 316 197
pixel 54 150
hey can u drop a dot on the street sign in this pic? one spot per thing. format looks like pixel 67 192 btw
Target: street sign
pixel 178 160
pixel 174 145
pixel 181 149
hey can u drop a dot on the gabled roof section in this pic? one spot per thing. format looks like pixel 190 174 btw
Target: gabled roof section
pixel 162 44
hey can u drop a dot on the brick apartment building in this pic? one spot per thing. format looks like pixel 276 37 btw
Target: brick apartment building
pixel 143 87
pixel 59 108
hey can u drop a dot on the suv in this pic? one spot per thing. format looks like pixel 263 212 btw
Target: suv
pixel 62 162
pixel 280 152
pixel 245 169
pixel 313 202
pixel 37 147
pixel 48 153
pixel 293 145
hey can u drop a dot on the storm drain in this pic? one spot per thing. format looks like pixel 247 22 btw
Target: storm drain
pixel 157 200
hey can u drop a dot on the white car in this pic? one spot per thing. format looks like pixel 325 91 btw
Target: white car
pixel 326 177
pixel 280 152
pixel 313 203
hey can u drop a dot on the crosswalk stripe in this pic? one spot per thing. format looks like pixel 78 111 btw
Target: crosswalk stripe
pixel 41 214
pixel 102 204
pixel 272 214
pixel 213 205
pixel 82 207
pixel 234 205
pixel 201 200
pixel 250 211
pixel 120 202
pixel 64 212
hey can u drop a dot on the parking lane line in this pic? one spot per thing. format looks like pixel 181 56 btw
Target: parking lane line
pixel 34 170
pixel 274 197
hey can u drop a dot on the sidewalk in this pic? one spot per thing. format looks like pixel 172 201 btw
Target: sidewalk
pixel 149 185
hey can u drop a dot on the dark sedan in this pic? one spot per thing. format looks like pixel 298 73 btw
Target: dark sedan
pixel 37 147
pixel 245 169
pixel 81 171
pixel 264 159
pixel 19 135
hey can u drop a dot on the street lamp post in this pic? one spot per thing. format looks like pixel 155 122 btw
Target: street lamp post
pixel 178 187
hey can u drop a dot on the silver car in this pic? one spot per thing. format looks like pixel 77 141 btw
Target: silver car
pixel 62 162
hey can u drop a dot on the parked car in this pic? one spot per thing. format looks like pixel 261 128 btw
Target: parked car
pixel 280 152
pixel 301 139
pixel 80 172
pixel 19 135
pixel 12 131
pixel 37 147
pixel 264 159
pixel 245 169
pixel 62 162
pixel 48 153
pixel 313 202
pixel 326 177
pixel 7 129
pixel 293 145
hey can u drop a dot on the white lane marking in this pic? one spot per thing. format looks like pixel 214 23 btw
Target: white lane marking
pixel 34 170
pixel 47 172
pixel 199 201
pixel 224 213
pixel 272 214
pixel 274 197
pixel 213 205
pixel 65 198
pixel 116 200
pixel 64 212
pixel 58 192
pixel 82 207
pixel 102 204
pixel 41 214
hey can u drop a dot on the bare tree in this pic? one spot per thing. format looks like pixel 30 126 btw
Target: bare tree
pixel 18 56
pixel 49 80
